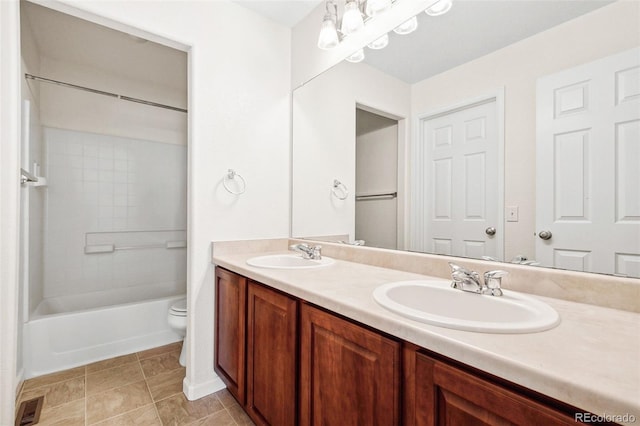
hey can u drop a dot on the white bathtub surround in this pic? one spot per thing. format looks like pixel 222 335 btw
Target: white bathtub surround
pixel 107 190
pixel 114 247
pixel 590 360
pixel 78 336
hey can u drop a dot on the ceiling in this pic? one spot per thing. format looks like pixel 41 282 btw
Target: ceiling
pixel 471 29
pixel 287 13
pixel 76 41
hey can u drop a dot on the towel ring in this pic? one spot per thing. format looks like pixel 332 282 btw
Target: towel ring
pixel 231 175
pixel 339 187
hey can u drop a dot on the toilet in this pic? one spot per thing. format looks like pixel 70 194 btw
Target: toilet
pixel 177 318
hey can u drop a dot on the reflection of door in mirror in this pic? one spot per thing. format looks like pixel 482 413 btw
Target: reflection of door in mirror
pixel 588 179
pixel 376 179
pixel 461 183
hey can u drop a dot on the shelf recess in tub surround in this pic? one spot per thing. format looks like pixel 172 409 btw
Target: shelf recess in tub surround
pixel 594 289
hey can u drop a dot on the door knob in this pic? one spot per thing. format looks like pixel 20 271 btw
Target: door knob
pixel 545 235
pixel 490 231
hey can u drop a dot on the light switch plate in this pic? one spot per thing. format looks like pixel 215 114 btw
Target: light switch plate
pixel 512 213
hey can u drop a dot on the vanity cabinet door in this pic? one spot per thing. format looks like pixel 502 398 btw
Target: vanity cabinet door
pixel 230 326
pixel 442 394
pixel 271 356
pixel 349 375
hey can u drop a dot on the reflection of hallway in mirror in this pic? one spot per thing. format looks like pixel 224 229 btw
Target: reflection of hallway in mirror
pixel 376 179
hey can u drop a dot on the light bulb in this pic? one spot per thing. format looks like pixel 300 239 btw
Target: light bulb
pixel 408 27
pixel 380 43
pixel 440 8
pixel 356 57
pixel 352 21
pixel 328 38
pixel 375 7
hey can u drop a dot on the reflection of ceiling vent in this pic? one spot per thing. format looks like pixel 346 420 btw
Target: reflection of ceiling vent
pixel 29 412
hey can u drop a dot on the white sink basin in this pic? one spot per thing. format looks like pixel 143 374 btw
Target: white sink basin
pixel 436 303
pixel 288 261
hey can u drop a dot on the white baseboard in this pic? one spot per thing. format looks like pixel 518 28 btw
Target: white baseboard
pixel 197 391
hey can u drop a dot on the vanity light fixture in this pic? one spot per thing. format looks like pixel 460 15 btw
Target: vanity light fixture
pixel 407 27
pixel 328 38
pixel 356 12
pixel 379 43
pixel 334 29
pixel 352 21
pixel 439 8
pixel 356 57
pixel 375 7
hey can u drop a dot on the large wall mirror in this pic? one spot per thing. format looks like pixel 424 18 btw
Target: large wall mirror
pixel 506 130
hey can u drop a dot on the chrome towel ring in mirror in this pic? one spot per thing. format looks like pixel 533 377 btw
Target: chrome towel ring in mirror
pixel 339 190
pixel 231 176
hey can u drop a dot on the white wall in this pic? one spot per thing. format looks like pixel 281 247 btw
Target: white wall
pixel 605 31
pixel 9 203
pixel 239 118
pixel 324 131
pixel 32 198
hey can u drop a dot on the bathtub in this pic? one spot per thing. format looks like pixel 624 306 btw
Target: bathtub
pixel 71 331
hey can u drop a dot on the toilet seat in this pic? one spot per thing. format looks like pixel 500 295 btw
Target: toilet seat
pixel 179 308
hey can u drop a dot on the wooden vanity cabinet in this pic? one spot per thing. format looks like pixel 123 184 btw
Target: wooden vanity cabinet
pixel 271 356
pixel 288 362
pixel 256 347
pixel 230 329
pixel 438 393
pixel 349 375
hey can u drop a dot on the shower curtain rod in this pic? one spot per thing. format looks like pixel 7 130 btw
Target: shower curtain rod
pixel 100 92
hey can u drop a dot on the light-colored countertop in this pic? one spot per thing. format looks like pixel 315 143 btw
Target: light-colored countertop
pixel 591 360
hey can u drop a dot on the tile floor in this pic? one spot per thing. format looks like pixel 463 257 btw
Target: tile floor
pixel 143 388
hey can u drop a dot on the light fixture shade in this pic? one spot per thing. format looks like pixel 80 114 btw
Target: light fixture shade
pixel 375 7
pixel 408 27
pixel 356 57
pixel 328 38
pixel 352 21
pixel 380 43
pixel 440 8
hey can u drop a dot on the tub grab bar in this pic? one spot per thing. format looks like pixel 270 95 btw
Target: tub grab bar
pixel 110 248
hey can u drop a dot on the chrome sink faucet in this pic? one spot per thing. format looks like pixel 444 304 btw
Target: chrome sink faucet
pixel 308 252
pixel 467 280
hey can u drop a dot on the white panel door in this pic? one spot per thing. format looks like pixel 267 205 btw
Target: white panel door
pixel 461 185
pixel 588 161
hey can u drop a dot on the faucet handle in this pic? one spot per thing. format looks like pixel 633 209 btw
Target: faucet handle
pixel 297 247
pixel 317 252
pixel 493 281
pixel 457 268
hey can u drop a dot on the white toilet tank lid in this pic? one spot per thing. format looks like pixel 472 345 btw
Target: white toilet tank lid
pixel 180 305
